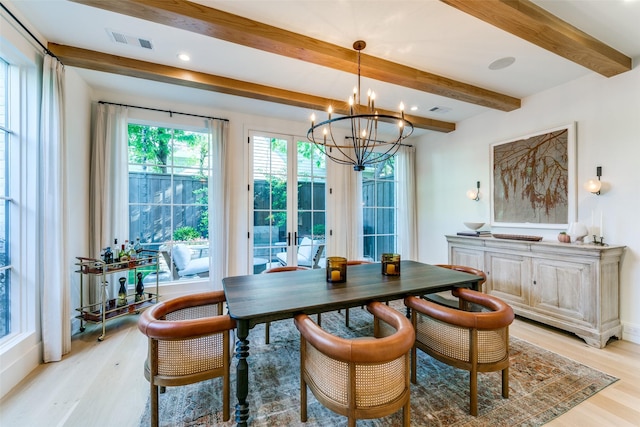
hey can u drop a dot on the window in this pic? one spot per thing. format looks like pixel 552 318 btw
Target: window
pixel 168 195
pixel 379 210
pixel 5 265
pixel 288 199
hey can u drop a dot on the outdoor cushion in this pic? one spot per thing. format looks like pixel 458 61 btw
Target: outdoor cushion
pixel 181 256
pixel 304 249
pixel 196 266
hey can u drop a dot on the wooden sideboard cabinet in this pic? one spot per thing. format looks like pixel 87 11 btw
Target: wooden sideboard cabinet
pixel 574 287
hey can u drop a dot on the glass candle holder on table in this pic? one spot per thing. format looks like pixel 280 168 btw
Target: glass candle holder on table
pixel 390 264
pixel 336 269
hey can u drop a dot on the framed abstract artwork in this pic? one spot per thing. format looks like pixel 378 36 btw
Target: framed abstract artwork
pixel 533 180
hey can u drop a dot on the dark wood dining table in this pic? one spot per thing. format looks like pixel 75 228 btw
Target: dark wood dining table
pixel 260 298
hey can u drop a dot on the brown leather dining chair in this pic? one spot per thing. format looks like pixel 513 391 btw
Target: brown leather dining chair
pixel 280 269
pixel 360 378
pixel 188 343
pixel 444 297
pixel 469 340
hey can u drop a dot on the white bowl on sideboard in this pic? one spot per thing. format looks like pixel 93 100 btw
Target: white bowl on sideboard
pixel 473 225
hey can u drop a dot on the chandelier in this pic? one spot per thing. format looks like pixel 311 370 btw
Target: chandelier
pixel 373 137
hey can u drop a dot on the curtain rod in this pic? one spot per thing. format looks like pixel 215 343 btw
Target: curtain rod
pixel 47 51
pixel 171 113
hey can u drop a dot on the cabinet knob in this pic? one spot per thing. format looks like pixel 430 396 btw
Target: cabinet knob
pixel 534 282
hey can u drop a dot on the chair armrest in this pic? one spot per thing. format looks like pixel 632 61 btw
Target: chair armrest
pixel 368 350
pixel 150 322
pixel 465 319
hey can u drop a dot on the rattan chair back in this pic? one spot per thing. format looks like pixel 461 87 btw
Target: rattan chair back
pixel 360 378
pixel 188 342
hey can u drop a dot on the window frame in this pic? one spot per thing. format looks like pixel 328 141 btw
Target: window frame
pixel 172 125
pixel 369 175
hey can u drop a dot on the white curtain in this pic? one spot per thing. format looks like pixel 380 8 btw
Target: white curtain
pixel 109 181
pixel 407 224
pixel 55 293
pixel 218 202
pixel 344 211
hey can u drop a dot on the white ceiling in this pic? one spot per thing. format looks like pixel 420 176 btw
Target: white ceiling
pixel 427 35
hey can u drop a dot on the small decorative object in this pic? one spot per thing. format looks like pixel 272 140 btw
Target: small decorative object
pixel 563 237
pixel 390 264
pixel 139 289
pixel 578 232
pixel 122 292
pixel 473 225
pixel 336 269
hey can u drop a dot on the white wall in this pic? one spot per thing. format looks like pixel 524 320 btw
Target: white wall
pixel 607 116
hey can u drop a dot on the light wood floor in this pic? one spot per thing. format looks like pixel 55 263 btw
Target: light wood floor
pixel 101 383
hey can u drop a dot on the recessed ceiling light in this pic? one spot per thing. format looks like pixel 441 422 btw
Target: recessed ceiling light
pixel 184 57
pixel 414 108
pixel 501 63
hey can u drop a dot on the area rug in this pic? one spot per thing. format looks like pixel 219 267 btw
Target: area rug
pixel 542 386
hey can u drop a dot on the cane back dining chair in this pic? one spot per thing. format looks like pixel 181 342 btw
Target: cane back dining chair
pixel 469 340
pixel 281 269
pixel 444 298
pixel 188 343
pixel 360 378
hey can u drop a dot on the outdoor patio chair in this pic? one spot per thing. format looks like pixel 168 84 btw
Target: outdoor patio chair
pixel 309 253
pixel 183 265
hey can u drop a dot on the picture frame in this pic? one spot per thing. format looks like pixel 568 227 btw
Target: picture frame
pixel 533 180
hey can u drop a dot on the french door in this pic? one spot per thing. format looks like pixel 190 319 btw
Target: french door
pixel 287 192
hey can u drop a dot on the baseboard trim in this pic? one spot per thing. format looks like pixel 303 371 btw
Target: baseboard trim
pixel 18 362
pixel 631 332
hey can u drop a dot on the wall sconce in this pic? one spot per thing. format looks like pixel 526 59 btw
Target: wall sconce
pixel 474 194
pixel 593 185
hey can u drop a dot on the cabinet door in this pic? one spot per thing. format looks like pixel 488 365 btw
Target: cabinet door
pixel 508 277
pixel 562 288
pixel 467 257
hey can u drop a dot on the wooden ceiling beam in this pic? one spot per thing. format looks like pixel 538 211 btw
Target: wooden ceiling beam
pixel 530 22
pixel 222 25
pixel 82 58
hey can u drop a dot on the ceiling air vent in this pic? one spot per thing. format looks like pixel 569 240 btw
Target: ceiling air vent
pixel 122 38
pixel 440 110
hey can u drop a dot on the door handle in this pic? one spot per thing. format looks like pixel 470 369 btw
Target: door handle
pixel 295 238
pixel 289 239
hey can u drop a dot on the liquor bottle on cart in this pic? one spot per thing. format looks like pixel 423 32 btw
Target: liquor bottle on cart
pixel 122 292
pixel 139 288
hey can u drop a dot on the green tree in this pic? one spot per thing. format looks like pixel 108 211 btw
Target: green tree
pixel 152 145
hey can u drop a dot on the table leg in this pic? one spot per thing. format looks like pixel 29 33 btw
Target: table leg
pixel 242 373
